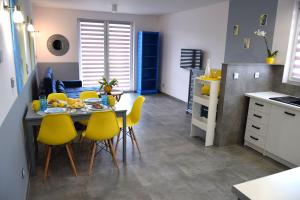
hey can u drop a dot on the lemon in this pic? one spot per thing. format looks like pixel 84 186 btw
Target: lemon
pixel 36 105
pixel 54 104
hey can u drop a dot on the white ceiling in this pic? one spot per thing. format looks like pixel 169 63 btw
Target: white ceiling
pixel 144 7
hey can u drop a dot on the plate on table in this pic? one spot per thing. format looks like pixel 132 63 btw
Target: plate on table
pixel 96 107
pixel 92 100
pixel 55 110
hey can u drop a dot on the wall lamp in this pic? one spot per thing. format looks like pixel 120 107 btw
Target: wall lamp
pixel 30 27
pixel 17 14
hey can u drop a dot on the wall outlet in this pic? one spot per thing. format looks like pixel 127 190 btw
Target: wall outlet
pixel 256 75
pixel 162 85
pixel 23 173
pixel 235 76
pixel 12 82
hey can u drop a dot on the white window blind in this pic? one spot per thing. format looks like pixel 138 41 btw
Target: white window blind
pixel 294 72
pixel 105 51
pixel 119 57
pixel 92 47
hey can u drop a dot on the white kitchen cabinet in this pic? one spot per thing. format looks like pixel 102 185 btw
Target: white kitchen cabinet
pixel 284 134
pixel 273 128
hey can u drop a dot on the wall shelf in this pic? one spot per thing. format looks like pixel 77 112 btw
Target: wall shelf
pixel 200 123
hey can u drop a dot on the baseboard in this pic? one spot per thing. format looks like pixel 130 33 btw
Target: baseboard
pixel 172 97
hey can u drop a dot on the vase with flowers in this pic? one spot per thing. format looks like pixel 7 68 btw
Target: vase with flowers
pixel 271 55
pixel 107 86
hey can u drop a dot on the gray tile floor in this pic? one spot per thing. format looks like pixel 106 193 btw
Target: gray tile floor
pixel 173 165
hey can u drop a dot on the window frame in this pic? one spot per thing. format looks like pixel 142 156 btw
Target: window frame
pixel 292 46
pixel 106 56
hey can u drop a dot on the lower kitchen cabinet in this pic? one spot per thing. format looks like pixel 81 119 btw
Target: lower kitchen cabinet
pixel 274 129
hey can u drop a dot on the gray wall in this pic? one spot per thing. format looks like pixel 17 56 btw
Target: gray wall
pixel 246 13
pixel 12 146
pixel 233 105
pixel 62 70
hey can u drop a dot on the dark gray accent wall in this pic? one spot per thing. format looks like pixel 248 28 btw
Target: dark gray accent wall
pixel 246 13
pixel 233 105
pixel 12 146
pixel 62 70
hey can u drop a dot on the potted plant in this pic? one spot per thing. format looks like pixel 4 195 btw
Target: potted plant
pixel 270 54
pixel 108 86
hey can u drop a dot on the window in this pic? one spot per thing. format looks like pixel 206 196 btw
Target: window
pixel 293 61
pixel 106 50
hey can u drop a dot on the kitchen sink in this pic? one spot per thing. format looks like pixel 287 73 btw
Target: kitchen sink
pixel 288 99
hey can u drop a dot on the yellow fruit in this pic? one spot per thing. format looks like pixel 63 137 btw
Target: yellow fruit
pixel 54 104
pixel 36 105
pixel 111 100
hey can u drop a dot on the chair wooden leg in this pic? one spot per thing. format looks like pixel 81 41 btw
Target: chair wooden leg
pixel 134 138
pixel 47 162
pixel 70 154
pixel 92 157
pixel 113 154
pixel 117 142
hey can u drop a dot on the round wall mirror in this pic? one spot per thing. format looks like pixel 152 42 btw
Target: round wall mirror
pixel 58 45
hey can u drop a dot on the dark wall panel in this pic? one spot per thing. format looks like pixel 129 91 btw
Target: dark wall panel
pixel 13 148
pixel 246 13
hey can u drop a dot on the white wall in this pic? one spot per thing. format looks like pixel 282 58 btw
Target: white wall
pixel 51 21
pixel 202 28
pixel 282 28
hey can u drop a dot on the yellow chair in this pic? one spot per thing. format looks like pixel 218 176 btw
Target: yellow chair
pixel 57 129
pixel 132 119
pixel 102 126
pixel 86 95
pixel 58 96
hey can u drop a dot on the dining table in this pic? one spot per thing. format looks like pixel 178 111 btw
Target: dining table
pixel 33 119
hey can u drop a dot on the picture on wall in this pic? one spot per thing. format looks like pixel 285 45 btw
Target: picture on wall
pixel 263 20
pixel 246 43
pixel 236 30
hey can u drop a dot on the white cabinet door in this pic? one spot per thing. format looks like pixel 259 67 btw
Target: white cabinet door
pixel 283 138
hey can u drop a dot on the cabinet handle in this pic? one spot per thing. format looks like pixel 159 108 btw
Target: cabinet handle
pixel 258 104
pixel 254 138
pixel 290 114
pixel 258 116
pixel 255 127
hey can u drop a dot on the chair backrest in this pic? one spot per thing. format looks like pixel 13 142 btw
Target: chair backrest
pixel 56 129
pixel 136 109
pixel 88 94
pixel 58 96
pixel 102 126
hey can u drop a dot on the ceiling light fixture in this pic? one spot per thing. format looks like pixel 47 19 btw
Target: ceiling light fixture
pixel 17 14
pixel 114 8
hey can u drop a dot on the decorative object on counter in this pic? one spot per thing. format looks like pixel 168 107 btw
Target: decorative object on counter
pixel 58 45
pixel 207 69
pixel 108 86
pixel 271 55
pixel 247 42
pixel 236 30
